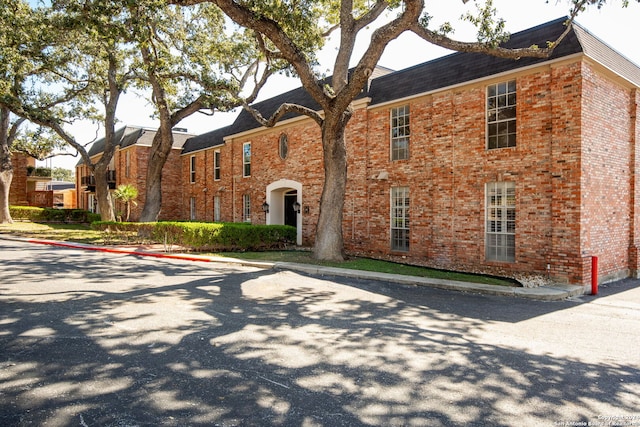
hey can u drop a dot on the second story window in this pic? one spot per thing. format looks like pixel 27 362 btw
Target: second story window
pixel 192 169
pixel 246 159
pixel 501 115
pixel 127 163
pixel 400 132
pixel 216 165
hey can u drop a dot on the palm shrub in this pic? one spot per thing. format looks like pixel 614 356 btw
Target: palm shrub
pixel 126 193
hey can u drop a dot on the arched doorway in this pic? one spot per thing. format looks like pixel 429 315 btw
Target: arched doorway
pixel 290 213
pixel 283 197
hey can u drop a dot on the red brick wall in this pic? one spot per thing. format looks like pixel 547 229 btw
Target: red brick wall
pixel 607 179
pixel 573 199
pixel 18 189
pixel 449 167
pixel 634 235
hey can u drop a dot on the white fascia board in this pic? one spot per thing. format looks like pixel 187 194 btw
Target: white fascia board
pixel 204 149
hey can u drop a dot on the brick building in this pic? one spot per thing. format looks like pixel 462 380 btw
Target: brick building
pixel 467 162
pixel 30 184
pixel 129 166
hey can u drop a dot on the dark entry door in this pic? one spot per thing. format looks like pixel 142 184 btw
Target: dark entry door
pixel 290 216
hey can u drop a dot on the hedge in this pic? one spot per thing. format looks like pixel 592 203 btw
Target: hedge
pixel 35 214
pixel 199 236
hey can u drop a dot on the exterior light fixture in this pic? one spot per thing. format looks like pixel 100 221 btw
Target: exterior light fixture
pixel 296 207
pixel 265 207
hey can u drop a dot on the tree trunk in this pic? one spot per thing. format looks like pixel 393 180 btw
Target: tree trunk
pixel 6 168
pixel 160 150
pixel 103 195
pixel 329 243
pixel 6 176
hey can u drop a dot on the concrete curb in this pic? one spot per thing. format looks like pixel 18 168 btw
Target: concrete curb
pixel 556 292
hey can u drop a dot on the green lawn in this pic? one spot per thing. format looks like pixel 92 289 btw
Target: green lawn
pixel 83 234
pixel 368 264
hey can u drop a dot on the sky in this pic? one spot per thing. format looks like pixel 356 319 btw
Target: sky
pixel 617 26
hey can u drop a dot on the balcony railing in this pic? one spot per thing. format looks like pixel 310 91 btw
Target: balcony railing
pixel 89 181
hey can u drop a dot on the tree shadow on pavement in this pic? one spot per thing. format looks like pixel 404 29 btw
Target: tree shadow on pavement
pixel 150 342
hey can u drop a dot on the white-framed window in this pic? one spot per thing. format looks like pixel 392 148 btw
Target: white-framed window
pixel 127 163
pixel 192 209
pixel 501 115
pixel 216 208
pixel 246 208
pixel 500 244
pixel 192 169
pixel 400 131
pixel 93 203
pixel 246 159
pixel 216 165
pixel 400 219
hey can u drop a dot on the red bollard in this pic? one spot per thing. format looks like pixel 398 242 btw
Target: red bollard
pixel 594 275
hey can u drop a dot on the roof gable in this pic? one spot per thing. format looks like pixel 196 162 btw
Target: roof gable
pixel 127 136
pixel 602 53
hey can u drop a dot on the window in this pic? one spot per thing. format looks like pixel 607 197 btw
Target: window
pixel 501 115
pixel 283 146
pixel 216 208
pixel 216 165
pixel 246 159
pixel 400 133
pixel 127 163
pixel 192 169
pixel 400 219
pixel 501 222
pixel 246 208
pixel 192 207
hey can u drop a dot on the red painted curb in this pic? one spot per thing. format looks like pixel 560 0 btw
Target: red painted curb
pixel 118 251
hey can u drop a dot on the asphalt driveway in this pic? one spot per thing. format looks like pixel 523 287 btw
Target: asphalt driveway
pixel 95 339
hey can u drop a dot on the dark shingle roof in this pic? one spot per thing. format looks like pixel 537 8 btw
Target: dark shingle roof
pixel 98 146
pixel 300 96
pixel 463 67
pixel 207 140
pixel 444 72
pixel 135 135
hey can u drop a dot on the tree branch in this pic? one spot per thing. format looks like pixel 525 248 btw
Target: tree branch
pixel 281 111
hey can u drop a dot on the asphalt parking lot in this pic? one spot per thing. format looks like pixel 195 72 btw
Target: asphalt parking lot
pixel 96 339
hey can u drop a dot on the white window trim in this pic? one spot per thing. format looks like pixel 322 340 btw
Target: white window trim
pixel 192 169
pixel 192 209
pixel 244 162
pixel 216 208
pixel 392 138
pixel 246 208
pixel 217 168
pixel 405 218
pixel 503 223
pixel 515 120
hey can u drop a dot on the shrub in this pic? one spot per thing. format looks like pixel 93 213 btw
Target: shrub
pixel 199 236
pixel 35 214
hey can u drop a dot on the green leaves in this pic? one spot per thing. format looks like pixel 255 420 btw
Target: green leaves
pixel 39 143
pixel 491 29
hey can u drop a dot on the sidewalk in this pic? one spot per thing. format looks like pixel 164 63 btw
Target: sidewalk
pixel 547 293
